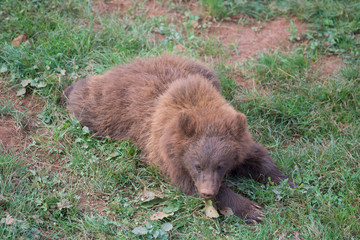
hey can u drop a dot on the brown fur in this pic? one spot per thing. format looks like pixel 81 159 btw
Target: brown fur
pixel 172 109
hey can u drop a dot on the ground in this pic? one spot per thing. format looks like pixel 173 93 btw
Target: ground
pixel 292 68
pixel 12 134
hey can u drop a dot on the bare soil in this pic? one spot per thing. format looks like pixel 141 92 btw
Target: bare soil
pixel 89 202
pixel 112 6
pixel 327 66
pixel 10 134
pixel 152 8
pixel 15 135
pixel 249 40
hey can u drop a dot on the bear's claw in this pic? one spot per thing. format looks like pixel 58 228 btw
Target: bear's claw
pixel 255 214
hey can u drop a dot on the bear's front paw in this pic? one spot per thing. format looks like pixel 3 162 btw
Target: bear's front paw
pixel 254 214
pixel 250 211
pixel 241 207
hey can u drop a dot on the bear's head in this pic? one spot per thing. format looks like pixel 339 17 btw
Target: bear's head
pixel 214 146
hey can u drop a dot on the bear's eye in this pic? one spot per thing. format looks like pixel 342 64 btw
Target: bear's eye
pixel 198 168
pixel 219 168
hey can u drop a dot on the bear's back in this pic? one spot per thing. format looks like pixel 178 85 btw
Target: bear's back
pixel 120 103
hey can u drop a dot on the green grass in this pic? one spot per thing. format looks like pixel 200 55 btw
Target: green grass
pixel 64 184
pixel 221 9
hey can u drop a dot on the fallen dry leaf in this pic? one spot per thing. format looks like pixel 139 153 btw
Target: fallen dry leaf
pixel 140 231
pixel 8 220
pixel 65 203
pixel 147 196
pixel 160 215
pixel 167 227
pixel 18 40
pixel 210 211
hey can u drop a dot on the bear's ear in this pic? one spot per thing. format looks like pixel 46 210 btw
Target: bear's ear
pixel 238 125
pixel 187 123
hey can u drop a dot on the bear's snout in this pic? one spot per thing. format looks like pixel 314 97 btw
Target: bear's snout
pixel 208 187
pixel 207 194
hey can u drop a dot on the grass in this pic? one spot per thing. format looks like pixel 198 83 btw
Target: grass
pixel 221 9
pixel 64 184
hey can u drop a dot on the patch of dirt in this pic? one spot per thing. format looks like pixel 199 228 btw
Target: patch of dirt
pixel 172 10
pixel 112 6
pixel 250 40
pixel 242 81
pixel 175 11
pixel 326 66
pixel 10 134
pixel 30 104
pixel 152 8
pixel 244 42
pixel 90 203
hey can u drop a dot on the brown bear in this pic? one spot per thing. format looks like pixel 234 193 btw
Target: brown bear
pixel 172 109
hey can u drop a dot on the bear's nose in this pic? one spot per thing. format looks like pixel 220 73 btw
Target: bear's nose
pixel 207 195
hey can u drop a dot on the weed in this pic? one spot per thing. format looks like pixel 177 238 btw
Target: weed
pixel 293 32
